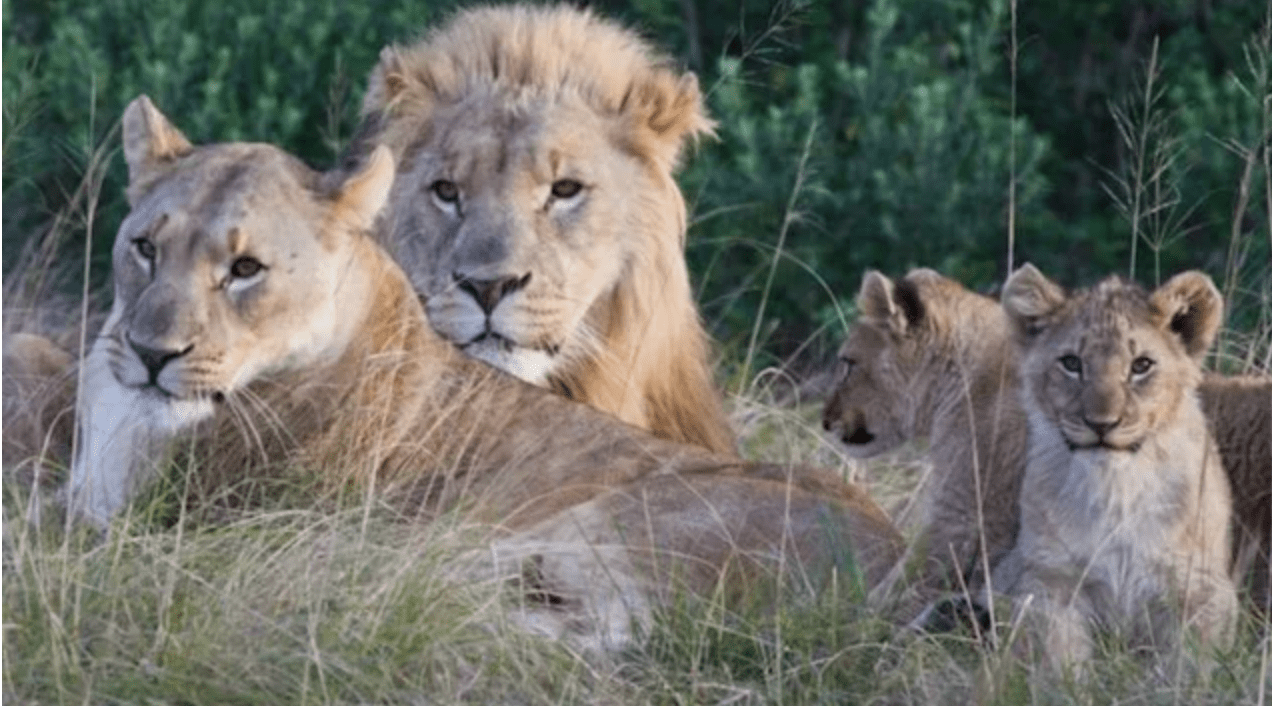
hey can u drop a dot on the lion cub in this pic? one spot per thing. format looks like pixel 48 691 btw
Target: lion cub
pixel 1124 508
pixel 927 358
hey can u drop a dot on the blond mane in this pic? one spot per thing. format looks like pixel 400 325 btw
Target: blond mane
pixel 641 352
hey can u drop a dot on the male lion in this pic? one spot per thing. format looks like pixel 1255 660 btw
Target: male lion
pixel 1124 507
pixel 255 319
pixel 930 358
pixel 535 210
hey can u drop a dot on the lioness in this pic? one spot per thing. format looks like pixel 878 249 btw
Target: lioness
pixel 927 357
pixel 255 318
pixel 535 210
pixel 1124 507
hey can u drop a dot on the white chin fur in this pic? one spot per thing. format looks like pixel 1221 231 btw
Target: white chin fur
pixel 122 432
pixel 529 365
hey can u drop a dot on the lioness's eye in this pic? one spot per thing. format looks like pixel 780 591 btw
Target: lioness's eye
pixel 566 188
pixel 1071 363
pixel 445 190
pixel 1141 365
pixel 245 267
pixel 145 248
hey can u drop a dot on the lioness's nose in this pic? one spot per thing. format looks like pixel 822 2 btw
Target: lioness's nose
pixel 156 358
pixel 489 292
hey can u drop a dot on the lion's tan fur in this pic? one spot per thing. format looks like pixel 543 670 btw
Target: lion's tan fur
pixel 398 415
pixel 1125 507
pixel 926 359
pixel 1240 413
pixel 501 101
pixel 39 399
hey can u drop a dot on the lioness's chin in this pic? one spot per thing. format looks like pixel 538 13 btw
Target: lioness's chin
pixel 533 366
pixel 175 413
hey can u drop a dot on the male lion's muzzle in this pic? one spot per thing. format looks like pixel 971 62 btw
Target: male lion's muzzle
pixel 489 292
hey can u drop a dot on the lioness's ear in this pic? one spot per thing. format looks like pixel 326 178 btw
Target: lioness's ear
pixel 362 195
pixel 1191 308
pixel 149 139
pixel 1029 299
pixel 668 109
pixel 895 306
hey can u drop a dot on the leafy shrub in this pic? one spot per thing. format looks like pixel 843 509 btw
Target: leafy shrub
pixel 908 164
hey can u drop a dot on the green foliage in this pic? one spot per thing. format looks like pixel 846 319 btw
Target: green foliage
pixel 909 165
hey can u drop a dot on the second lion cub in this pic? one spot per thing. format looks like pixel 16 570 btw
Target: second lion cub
pixel 1124 506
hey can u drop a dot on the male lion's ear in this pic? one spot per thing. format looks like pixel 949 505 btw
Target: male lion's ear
pixel 1190 307
pixel 363 195
pixel 895 306
pixel 668 109
pixel 389 82
pixel 1029 299
pixel 149 139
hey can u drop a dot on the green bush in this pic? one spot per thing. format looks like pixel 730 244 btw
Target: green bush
pixel 908 164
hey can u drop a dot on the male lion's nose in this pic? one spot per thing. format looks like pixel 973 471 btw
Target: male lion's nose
pixel 489 292
pixel 156 358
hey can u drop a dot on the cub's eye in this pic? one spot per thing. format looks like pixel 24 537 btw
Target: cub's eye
pixel 447 191
pixel 566 188
pixel 145 248
pixel 1141 365
pixel 1071 363
pixel 245 267
pixel 846 366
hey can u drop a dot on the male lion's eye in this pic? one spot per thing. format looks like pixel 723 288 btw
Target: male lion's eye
pixel 145 248
pixel 245 267
pixel 566 188
pixel 447 191
pixel 1141 365
pixel 1071 363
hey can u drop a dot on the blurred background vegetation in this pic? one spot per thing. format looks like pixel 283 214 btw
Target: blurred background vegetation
pixel 853 134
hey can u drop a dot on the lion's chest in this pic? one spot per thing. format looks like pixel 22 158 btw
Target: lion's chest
pixel 1107 521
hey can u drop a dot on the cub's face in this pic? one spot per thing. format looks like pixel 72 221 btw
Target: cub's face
pixel 1110 367
pixel 516 224
pixel 1107 380
pixel 221 275
pixel 866 407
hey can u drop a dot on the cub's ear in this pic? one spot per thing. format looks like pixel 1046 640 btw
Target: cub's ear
pixel 666 110
pixel 1191 308
pixel 1030 299
pixel 894 306
pixel 150 141
pixel 362 195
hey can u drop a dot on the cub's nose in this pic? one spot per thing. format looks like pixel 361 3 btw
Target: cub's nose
pixel 489 292
pixel 156 358
pixel 1101 426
